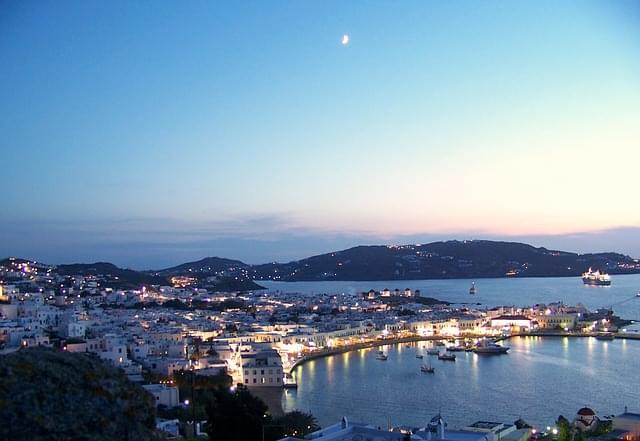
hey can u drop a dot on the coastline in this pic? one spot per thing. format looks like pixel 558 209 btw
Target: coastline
pixel 413 339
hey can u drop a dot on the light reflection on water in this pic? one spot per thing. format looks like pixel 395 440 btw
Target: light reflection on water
pixel 538 380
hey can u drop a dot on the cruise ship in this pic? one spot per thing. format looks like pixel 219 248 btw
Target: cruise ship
pixel 596 278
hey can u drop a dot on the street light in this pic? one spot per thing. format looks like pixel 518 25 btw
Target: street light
pixel 193 400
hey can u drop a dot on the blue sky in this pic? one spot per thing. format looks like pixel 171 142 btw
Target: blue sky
pixel 151 132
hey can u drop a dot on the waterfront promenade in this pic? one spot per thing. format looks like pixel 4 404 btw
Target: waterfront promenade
pixel 417 338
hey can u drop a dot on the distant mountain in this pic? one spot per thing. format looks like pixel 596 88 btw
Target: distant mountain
pixel 444 260
pixel 206 266
pixel 437 260
pixel 225 274
pixel 118 276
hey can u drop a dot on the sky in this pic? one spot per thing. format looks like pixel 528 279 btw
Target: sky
pixel 150 133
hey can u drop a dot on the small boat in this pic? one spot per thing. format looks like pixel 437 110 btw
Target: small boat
pixel 455 348
pixel 490 348
pixel 420 356
pixel 606 337
pixel 446 357
pixel 290 384
pixel 433 351
pixel 472 290
pixel 382 357
pixel 428 369
pixel 380 352
pixel 439 343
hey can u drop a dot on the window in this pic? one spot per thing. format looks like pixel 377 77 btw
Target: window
pixel 246 381
pixel 255 372
pixel 262 380
pixel 262 372
pixel 255 380
pixel 246 372
pixel 278 379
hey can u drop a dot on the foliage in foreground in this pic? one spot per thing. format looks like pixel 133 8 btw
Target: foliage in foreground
pixel 47 394
pixel 240 415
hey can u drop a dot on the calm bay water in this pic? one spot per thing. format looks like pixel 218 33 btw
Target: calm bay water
pixel 495 292
pixel 538 380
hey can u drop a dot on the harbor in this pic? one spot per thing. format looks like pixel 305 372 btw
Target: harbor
pixel 540 378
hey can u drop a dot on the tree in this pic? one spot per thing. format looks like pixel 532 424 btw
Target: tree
pixel 236 415
pixel 564 429
pixel 296 424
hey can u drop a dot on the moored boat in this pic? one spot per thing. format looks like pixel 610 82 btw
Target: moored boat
pixel 489 347
pixel 290 383
pixel 605 336
pixel 446 357
pixel 382 357
pixel 428 369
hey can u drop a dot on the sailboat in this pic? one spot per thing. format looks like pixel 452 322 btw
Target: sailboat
pixel 428 369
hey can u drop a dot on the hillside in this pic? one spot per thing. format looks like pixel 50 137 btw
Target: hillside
pixel 443 260
pixel 206 266
pixel 46 394
pixel 114 275
pixel 437 260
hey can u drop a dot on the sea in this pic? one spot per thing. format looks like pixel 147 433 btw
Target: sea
pixel 538 380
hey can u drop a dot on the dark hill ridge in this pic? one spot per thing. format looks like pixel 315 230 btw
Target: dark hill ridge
pixel 442 260
pixel 208 265
pixel 117 275
pixel 437 260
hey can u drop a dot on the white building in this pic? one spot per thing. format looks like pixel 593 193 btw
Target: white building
pixel 262 369
pixel 164 395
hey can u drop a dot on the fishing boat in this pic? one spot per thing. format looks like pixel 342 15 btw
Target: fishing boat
pixel 446 357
